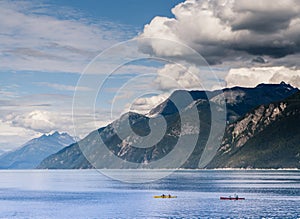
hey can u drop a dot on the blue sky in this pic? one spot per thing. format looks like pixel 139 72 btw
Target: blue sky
pixel 135 13
pixel 41 67
pixel 46 48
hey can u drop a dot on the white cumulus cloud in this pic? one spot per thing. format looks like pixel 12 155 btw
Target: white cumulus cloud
pixel 229 30
pixel 250 77
pixel 37 120
pixel 144 104
pixel 175 76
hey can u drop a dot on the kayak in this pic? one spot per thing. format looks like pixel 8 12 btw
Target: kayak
pixel 231 198
pixel 164 196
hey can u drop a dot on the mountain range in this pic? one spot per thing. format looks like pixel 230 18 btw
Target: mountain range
pixel 2 151
pixel 261 132
pixel 266 137
pixel 29 155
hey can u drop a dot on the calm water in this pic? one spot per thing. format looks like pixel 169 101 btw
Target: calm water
pixel 88 194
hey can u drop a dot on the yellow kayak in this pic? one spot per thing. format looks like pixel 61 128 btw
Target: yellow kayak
pixel 164 196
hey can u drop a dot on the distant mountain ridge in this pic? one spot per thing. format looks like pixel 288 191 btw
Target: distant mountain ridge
pixel 239 103
pixel 30 154
pixel 2 152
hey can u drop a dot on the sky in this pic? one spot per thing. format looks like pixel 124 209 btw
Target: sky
pixel 74 66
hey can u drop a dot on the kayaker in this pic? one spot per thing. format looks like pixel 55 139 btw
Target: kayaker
pixel 163 195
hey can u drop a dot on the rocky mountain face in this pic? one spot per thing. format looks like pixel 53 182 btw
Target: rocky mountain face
pixel 267 137
pixel 238 100
pixel 69 157
pixel 110 148
pixel 106 149
pixel 29 155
